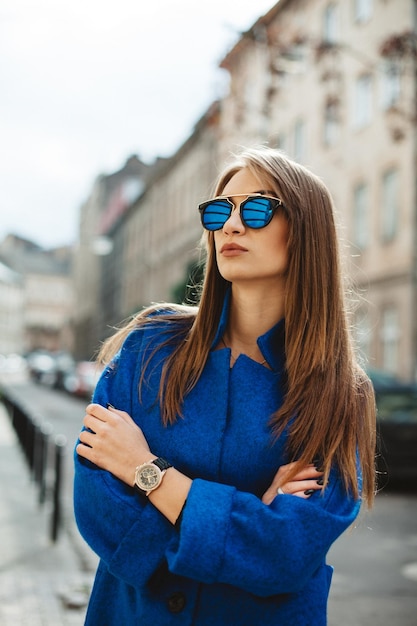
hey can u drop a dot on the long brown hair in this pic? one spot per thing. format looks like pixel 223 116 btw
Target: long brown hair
pixel 327 390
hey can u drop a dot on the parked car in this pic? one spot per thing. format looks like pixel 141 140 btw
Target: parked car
pixel 13 368
pixel 49 368
pixel 81 381
pixel 41 366
pixel 382 379
pixel 396 431
pixel 64 365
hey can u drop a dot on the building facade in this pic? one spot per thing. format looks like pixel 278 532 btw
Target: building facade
pixel 11 311
pixel 333 84
pixel 157 239
pixel 109 199
pixel 48 296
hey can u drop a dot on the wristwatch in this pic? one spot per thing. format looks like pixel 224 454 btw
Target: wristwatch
pixel 149 475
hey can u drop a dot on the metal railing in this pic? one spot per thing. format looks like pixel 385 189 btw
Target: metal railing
pixel 44 453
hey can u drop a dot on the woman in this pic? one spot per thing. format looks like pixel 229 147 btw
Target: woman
pixel 242 441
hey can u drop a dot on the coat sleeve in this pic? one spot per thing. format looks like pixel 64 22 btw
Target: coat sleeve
pixel 231 537
pixel 120 525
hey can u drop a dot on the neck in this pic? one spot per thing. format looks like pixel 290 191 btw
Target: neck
pixel 253 312
pixel 251 315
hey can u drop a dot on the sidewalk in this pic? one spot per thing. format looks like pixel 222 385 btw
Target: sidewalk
pixel 41 583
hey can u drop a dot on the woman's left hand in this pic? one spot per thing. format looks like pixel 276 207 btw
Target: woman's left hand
pixel 115 443
pixel 305 482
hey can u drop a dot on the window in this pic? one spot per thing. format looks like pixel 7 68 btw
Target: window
pixel 363 101
pixel 299 141
pixel 363 10
pixel 390 83
pixel 292 59
pixel 389 205
pixel 363 335
pixel 131 188
pixel 361 216
pixel 331 123
pixel 390 336
pixel 331 24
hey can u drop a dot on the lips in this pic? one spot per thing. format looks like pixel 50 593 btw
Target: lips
pixel 232 247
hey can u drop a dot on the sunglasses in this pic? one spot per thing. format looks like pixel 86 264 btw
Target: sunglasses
pixel 255 212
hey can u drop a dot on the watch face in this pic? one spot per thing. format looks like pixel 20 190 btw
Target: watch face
pixel 148 477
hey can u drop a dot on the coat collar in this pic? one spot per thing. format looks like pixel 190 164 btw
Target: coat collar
pixel 271 344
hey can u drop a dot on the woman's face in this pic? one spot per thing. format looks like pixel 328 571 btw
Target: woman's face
pixel 246 254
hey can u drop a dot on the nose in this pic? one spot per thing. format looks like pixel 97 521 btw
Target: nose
pixel 234 223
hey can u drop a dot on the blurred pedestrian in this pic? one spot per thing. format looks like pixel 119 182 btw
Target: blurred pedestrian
pixel 229 445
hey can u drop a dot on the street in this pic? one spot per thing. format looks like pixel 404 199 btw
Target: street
pixel 375 579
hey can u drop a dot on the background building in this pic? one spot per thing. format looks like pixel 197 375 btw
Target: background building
pixel 331 83
pixel 11 311
pixel 48 297
pixel 151 243
pixel 109 199
pixel 334 85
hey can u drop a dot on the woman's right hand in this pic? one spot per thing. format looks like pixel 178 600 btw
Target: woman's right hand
pixel 303 484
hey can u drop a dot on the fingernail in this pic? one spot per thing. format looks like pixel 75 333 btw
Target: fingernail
pixel 110 406
pixel 308 492
pixel 320 481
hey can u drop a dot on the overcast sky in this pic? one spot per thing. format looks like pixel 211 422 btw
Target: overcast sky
pixel 86 83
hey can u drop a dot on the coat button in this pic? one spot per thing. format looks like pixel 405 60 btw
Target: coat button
pixel 176 602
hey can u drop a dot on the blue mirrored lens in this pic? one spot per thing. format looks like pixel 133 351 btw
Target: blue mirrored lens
pixel 216 214
pixel 256 212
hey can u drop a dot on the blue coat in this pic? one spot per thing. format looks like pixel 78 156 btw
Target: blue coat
pixel 235 561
